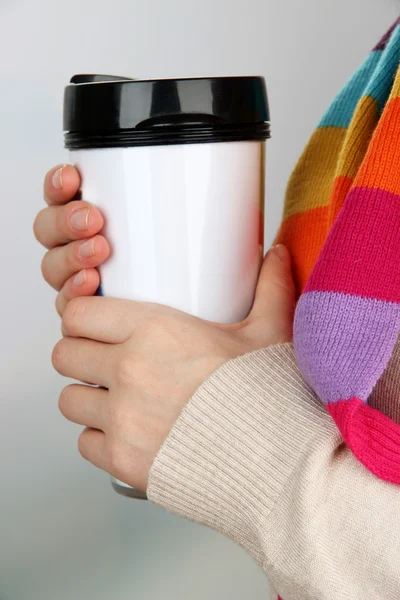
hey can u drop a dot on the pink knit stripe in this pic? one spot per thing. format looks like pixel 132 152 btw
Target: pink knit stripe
pixel 372 436
pixel 354 259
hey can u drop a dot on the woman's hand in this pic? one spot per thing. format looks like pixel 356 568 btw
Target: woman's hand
pixel 68 228
pixel 148 359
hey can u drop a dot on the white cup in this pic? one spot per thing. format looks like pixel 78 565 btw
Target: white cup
pixel 183 201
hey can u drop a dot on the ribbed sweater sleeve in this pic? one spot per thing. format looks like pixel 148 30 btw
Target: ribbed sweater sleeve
pixel 255 456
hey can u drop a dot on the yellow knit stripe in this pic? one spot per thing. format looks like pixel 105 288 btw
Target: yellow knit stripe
pixel 358 137
pixel 395 93
pixel 310 185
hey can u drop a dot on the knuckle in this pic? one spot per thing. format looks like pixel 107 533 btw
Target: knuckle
pixel 73 315
pixel 116 457
pixel 121 461
pixel 58 354
pixel 125 370
pixel 82 445
pixel 115 418
pixel 152 324
pixel 59 303
pixel 153 327
pixel 65 400
pixel 47 272
pixel 36 226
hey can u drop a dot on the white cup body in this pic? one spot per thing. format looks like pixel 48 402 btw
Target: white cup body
pixel 184 223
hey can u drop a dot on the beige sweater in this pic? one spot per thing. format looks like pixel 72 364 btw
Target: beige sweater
pixel 255 456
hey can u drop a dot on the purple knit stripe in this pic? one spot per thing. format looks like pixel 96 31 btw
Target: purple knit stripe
pixel 343 343
pixel 381 45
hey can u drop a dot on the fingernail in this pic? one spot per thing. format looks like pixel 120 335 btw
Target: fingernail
pixel 280 251
pixel 57 179
pixel 87 249
pixel 80 219
pixel 80 278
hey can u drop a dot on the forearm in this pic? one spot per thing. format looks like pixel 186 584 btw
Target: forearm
pixel 255 456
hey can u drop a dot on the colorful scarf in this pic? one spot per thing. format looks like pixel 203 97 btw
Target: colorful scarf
pixel 342 226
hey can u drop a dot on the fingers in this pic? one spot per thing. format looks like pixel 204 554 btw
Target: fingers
pixel 84 405
pixel 83 283
pixel 61 184
pixel 121 462
pixel 60 263
pixel 109 320
pixel 275 294
pixel 92 446
pixel 84 360
pixel 58 225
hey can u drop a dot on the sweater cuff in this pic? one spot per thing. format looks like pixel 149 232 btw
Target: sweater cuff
pixel 230 454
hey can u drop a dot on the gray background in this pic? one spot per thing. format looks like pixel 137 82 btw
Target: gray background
pixel 64 535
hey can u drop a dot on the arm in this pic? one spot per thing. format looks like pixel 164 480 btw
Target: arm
pixel 274 475
pixel 255 456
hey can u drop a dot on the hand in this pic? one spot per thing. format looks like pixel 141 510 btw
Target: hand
pixel 68 229
pixel 149 360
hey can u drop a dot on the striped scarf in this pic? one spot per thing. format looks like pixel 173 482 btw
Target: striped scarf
pixel 342 226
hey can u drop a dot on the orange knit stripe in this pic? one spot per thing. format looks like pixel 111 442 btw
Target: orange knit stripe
pixel 304 235
pixel 382 166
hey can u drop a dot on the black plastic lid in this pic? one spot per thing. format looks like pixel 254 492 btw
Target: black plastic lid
pixel 103 111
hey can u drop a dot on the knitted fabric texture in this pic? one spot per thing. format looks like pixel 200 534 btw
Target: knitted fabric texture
pixel 342 226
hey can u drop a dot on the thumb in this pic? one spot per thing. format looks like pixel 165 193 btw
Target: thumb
pixel 275 296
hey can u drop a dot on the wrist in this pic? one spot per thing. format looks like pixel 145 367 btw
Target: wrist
pixel 229 455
